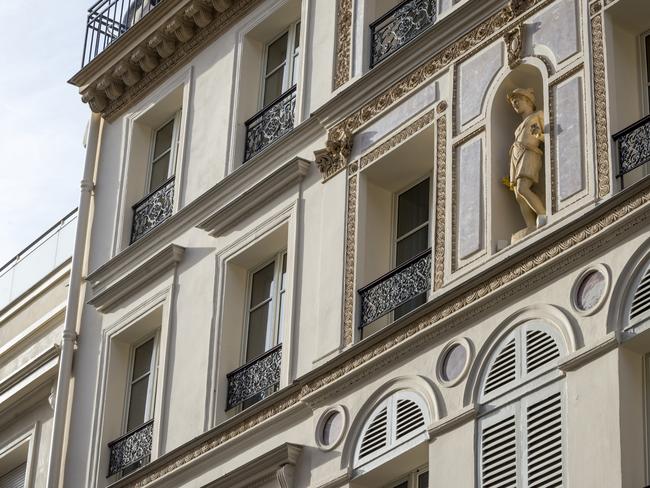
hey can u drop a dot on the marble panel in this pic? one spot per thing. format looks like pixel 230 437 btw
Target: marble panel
pixel 419 102
pixel 475 77
pixel 470 197
pixel 569 133
pixel 554 32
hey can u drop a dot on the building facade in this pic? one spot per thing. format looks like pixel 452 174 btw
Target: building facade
pixel 361 243
pixel 33 298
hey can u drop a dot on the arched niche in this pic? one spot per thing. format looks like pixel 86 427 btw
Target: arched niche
pixel 505 215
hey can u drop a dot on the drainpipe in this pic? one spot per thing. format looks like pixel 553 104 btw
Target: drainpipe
pixel 72 307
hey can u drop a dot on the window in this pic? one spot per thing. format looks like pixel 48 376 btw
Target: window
pixel 141 385
pixel 645 47
pixel 281 64
pixel 162 163
pixel 14 478
pixel 411 233
pixel 521 438
pixel 416 479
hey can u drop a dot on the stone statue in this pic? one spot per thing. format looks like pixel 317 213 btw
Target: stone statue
pixel 526 159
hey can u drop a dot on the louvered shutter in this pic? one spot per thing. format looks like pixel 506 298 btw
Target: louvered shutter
pixel 641 299
pixel 504 368
pixel 14 478
pixel 541 349
pixel 400 418
pixel 375 437
pixel 544 432
pixel 498 447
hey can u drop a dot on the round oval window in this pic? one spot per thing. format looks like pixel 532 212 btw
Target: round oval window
pixel 332 428
pixel 590 290
pixel 454 362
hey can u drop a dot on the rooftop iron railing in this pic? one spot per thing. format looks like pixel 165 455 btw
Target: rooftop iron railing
pixel 633 147
pixel 270 124
pixel 41 257
pixel 399 26
pixel 255 378
pixel 395 288
pixel 110 19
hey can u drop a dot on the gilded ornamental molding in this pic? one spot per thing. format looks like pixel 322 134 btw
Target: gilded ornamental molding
pixel 441 198
pixel 343 43
pixel 112 82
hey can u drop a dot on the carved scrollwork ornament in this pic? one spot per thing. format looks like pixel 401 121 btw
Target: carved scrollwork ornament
pixel 164 45
pixel 181 28
pixel 335 156
pixel 112 87
pixel 129 74
pixel 514 40
pixel 95 99
pixel 145 58
pixel 221 5
pixel 199 13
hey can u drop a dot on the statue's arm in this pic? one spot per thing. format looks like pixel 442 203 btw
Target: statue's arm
pixel 537 127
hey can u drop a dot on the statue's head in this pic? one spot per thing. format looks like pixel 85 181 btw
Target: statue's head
pixel 522 100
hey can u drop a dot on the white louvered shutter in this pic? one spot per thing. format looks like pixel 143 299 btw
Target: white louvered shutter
pixel 498 450
pixel 641 298
pixel 541 349
pixel 504 368
pixel 14 478
pixel 544 444
pixel 398 419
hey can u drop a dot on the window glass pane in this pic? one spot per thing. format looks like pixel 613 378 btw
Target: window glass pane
pixel 273 87
pixel 277 53
pixel 163 139
pixel 262 286
pixel 137 403
pixel 142 359
pixel 423 480
pixel 296 43
pixel 283 278
pixel 413 208
pixel 258 327
pixel 159 172
pixel 412 245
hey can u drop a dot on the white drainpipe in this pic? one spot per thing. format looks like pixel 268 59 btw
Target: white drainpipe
pixel 72 309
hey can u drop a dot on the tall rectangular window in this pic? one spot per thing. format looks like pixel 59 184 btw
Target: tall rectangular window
pixel 141 385
pixel 163 154
pixel 281 65
pixel 412 232
pixel 266 307
pixel 15 478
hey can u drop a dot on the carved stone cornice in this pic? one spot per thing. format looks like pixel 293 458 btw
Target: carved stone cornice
pixel 255 197
pixel 152 49
pixel 109 290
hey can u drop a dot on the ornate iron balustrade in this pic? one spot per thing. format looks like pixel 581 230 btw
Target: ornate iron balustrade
pixel 268 125
pixel 633 145
pixel 399 26
pixel 257 377
pixel 153 209
pixel 395 288
pixel 108 20
pixel 130 449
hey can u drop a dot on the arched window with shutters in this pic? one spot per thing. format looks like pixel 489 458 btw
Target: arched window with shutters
pixel 521 429
pixel 398 423
pixel 639 300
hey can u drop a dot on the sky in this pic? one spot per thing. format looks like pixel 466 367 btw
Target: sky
pixel 42 118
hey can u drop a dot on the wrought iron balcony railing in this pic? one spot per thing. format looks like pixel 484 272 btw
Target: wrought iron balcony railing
pixel 633 147
pixel 399 26
pixel 153 210
pixel 255 379
pixel 131 450
pixel 395 288
pixel 108 20
pixel 268 125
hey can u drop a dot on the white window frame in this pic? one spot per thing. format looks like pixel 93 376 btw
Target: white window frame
pixel 411 478
pixel 173 150
pixel 645 75
pixel 276 294
pixel 153 378
pixel 395 239
pixel 289 75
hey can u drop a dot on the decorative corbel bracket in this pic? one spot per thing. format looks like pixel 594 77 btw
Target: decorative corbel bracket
pixel 95 99
pixel 112 87
pixel 145 58
pixel 181 28
pixel 221 5
pixel 164 45
pixel 335 156
pixel 199 12
pixel 129 73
